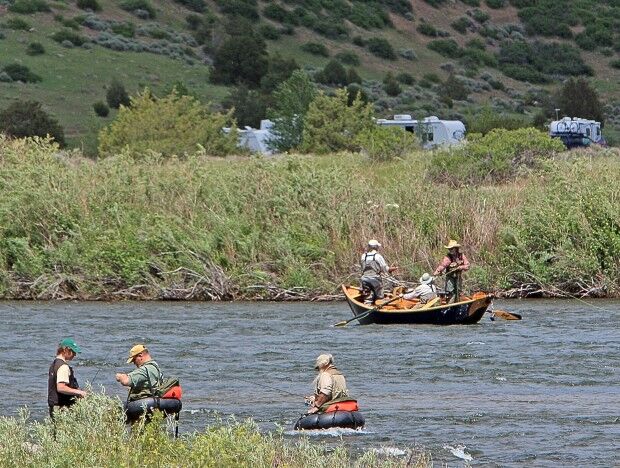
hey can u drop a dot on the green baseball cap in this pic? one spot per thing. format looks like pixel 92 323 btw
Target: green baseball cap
pixel 71 344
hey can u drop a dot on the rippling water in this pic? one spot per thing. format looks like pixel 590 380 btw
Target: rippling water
pixel 541 392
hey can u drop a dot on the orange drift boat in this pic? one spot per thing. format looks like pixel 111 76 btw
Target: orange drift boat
pixel 392 309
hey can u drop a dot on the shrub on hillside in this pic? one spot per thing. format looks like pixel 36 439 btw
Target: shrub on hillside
pixel 101 109
pixel 19 72
pixel 315 48
pixel 240 60
pixel 496 3
pixel 348 57
pixel 172 125
pixel 116 95
pixel 391 86
pixel 480 16
pixel 239 8
pixel 195 5
pixel 446 47
pixel 26 7
pixel 279 70
pixel 381 143
pixel 427 29
pixel 498 156
pixel 353 76
pixel 487 119
pixel 405 78
pixel 332 74
pixel 474 3
pixel 279 13
pixel 435 3
pixel 462 24
pixel 331 28
pixel 381 48
pixel 27 118
pixel 18 24
pixel 92 5
pixel 68 35
pixel 368 16
pixel 332 124
pixel 615 63
pixel 138 5
pixel 269 32
pixel 35 48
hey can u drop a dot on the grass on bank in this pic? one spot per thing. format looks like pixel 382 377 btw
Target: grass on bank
pixel 93 433
pixel 204 228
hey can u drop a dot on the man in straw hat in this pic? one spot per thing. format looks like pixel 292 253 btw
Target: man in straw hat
pixel 329 385
pixel 374 267
pixel 426 291
pixel 453 265
pixel 144 378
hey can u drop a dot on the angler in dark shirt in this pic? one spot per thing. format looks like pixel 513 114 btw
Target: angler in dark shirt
pixel 62 386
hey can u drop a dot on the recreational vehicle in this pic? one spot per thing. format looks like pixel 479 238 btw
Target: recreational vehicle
pixel 577 132
pixel 432 131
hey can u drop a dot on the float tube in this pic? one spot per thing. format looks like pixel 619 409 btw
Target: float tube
pixel 135 409
pixel 346 419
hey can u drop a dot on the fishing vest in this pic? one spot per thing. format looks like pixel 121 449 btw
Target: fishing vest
pixel 147 389
pixel 370 266
pixel 54 397
pixel 339 388
pixel 455 262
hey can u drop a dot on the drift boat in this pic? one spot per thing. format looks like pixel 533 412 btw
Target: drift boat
pixel 468 310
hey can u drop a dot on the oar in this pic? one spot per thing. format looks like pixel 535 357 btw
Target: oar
pixel 506 315
pixel 365 314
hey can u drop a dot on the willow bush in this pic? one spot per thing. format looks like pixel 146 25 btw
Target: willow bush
pixel 208 228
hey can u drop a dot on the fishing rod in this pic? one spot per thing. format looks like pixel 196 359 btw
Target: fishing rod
pixel 92 381
pixel 268 387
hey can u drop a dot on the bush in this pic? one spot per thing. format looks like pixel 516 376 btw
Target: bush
pixel 101 109
pixel 446 47
pixel 279 70
pixel 22 73
pixel 240 60
pixel 315 48
pixel 278 13
pixel 453 88
pixel 92 5
pixel 359 41
pixel 474 3
pixel 127 29
pixel 435 3
pixel 332 125
pixel 35 48
pixel 18 24
pixel 498 156
pixel 615 63
pixel 27 118
pixel 461 24
pixel 195 5
pixel 427 29
pixel 172 125
pixel 381 48
pixel 68 35
pixel 239 8
pixel 26 7
pixel 486 120
pixel 386 143
pixel 353 76
pixel 332 74
pixel 269 32
pixel 496 3
pixel 348 57
pixel 391 85
pixel 249 107
pixel 480 16
pixel 117 95
pixel 405 78
pixel 138 5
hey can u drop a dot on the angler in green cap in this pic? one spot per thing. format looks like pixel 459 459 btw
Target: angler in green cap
pixel 62 386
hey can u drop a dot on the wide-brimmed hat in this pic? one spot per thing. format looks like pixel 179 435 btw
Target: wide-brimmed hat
pixel 374 243
pixel 71 344
pixel 452 244
pixel 133 352
pixel 426 279
pixel 323 360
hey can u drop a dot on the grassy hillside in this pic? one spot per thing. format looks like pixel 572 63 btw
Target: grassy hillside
pixel 494 46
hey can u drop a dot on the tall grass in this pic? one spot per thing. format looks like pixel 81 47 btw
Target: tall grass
pixel 201 228
pixel 93 433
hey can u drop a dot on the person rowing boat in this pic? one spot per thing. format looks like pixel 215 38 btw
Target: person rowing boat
pixel 453 265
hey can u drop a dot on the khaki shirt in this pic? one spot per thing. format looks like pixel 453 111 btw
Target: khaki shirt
pixel 331 383
pixel 62 374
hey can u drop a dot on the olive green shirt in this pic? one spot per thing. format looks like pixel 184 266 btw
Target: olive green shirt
pixel 142 379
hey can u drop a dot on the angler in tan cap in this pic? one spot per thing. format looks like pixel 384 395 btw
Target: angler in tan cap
pixel 453 265
pixel 144 378
pixel 329 386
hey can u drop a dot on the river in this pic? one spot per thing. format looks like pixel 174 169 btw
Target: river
pixel 544 391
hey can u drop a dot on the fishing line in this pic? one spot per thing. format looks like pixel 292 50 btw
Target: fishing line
pixel 268 387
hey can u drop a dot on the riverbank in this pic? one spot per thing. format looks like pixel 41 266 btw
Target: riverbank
pixel 93 433
pixel 293 227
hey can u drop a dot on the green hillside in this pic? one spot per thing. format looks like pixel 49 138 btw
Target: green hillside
pixel 506 54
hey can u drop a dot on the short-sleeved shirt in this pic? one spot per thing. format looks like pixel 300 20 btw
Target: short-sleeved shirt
pixel 62 375
pixel 333 386
pixel 425 292
pixel 139 378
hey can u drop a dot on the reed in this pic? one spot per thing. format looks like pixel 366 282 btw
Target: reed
pixel 93 433
pixel 207 228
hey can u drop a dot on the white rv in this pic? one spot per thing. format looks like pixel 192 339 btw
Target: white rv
pixel 433 131
pixel 577 132
pixel 255 139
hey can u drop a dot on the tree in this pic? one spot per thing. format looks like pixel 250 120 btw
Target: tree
pixel 240 60
pixel 291 101
pixel 117 95
pixel 172 125
pixel 333 74
pixel 279 70
pixel 27 118
pixel 577 98
pixel 453 88
pixel 249 106
pixel 391 86
pixel 332 125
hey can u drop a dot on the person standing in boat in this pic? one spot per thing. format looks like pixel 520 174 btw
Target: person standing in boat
pixel 374 267
pixel 426 291
pixel 329 385
pixel 144 378
pixel 453 265
pixel 62 386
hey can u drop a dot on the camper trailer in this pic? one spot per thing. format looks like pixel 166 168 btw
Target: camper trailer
pixel 577 132
pixel 255 140
pixel 432 131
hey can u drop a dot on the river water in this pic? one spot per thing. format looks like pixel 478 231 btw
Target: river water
pixel 544 391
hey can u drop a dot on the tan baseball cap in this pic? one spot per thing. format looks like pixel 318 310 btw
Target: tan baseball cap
pixel 133 352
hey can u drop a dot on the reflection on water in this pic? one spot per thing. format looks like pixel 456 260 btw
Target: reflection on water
pixel 542 392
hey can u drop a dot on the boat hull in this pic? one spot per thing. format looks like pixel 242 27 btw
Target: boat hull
pixel 465 312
